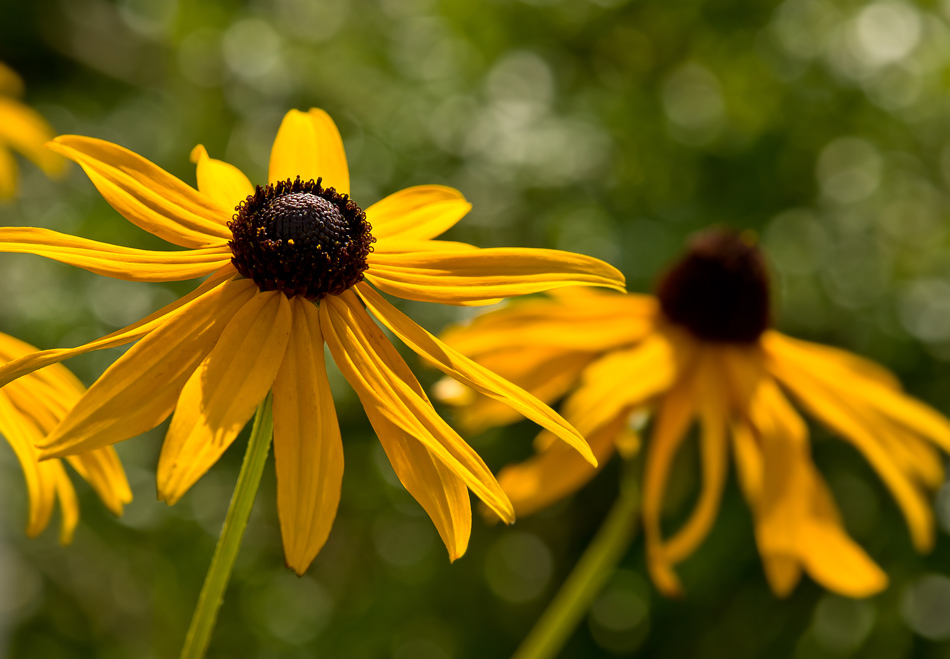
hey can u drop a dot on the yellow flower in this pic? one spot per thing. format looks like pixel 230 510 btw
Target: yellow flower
pixel 702 350
pixel 21 129
pixel 29 409
pixel 287 273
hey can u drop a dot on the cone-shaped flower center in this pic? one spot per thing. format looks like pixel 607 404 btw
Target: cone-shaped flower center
pixel 719 290
pixel 301 239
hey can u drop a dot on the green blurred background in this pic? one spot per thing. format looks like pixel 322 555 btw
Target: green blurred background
pixel 609 127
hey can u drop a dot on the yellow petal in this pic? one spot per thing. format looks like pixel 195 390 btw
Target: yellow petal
pixel 37 360
pixel 438 490
pixel 23 129
pixel 21 434
pixel 403 246
pixel 68 503
pixel 453 363
pixel 112 260
pixel 139 390
pixel 556 472
pixel 308 452
pixel 829 407
pixel 388 389
pixel 714 456
pixel 672 420
pixel 419 213
pixel 147 195
pixel 829 359
pixel 103 471
pixel 9 174
pixel 221 181
pixel 485 275
pixel 309 145
pixel 221 395
pixel 834 560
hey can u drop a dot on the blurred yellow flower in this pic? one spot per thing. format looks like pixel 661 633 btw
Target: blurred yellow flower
pixel 21 129
pixel 702 350
pixel 29 409
pixel 287 274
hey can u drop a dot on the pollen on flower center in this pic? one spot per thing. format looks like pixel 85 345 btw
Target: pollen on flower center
pixel 719 290
pixel 300 238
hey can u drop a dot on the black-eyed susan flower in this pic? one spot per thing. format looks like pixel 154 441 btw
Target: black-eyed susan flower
pixel 701 351
pixel 293 265
pixel 29 409
pixel 22 129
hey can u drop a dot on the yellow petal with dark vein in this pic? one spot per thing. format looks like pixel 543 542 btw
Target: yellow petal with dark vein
pixel 146 194
pixel 37 360
pixel 112 260
pixel 139 390
pixel 308 451
pixel 485 275
pixel 453 363
pixel 23 129
pixel 21 435
pixel 387 387
pixel 221 395
pixel 418 213
pixel 221 181
pixel 438 490
pixel 309 145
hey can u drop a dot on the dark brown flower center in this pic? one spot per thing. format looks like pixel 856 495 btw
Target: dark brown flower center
pixel 299 238
pixel 719 290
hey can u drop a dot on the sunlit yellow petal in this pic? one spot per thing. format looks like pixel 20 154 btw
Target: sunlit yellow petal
pixel 37 360
pixel 221 181
pixel 23 129
pixel 147 195
pixel 388 389
pixel 220 396
pixel 405 246
pixel 453 363
pixel 417 213
pixel 139 390
pixel 112 260
pixel 308 451
pixel 309 145
pixel 485 275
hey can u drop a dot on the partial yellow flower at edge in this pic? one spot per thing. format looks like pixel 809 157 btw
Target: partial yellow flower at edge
pixel 294 265
pixel 702 353
pixel 22 129
pixel 29 410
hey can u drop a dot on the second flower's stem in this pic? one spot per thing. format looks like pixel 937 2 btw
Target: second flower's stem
pixel 603 554
pixel 225 553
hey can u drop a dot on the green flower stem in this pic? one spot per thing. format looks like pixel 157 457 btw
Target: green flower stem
pixel 590 574
pixel 216 581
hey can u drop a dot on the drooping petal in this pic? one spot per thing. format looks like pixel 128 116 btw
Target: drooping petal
pixel 21 434
pixel 828 358
pixel 9 174
pixel 557 471
pixel 221 181
pixel 115 261
pixel 672 420
pixel 388 389
pixel 434 485
pixel 309 145
pixel 308 451
pixel 68 503
pixel 220 396
pixel 22 128
pixel 147 195
pixel 139 390
pixel 103 471
pixel 485 275
pixel 418 213
pixel 17 368
pixel 453 363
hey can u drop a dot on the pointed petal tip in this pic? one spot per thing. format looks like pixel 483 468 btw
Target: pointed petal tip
pixel 198 153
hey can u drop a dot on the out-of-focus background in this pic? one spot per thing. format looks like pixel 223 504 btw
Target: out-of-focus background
pixel 609 127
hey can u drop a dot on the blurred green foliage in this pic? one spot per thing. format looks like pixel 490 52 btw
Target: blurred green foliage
pixel 610 127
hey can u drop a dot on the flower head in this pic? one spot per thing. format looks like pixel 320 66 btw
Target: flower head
pixel 21 129
pixel 702 352
pixel 293 265
pixel 29 409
